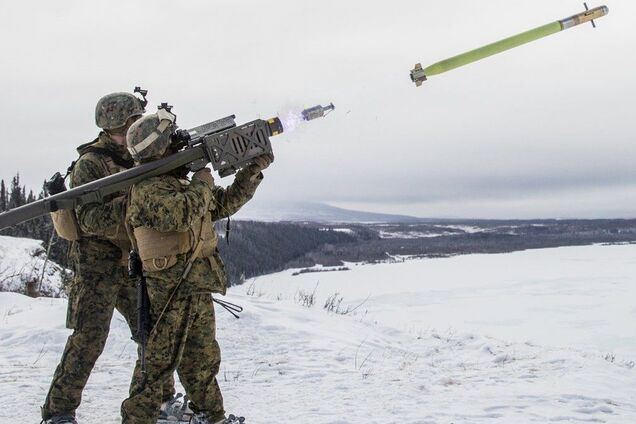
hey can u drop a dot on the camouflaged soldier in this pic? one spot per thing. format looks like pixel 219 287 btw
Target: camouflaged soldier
pixel 99 254
pixel 172 222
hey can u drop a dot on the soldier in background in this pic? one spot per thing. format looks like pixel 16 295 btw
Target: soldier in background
pixel 173 225
pixel 99 253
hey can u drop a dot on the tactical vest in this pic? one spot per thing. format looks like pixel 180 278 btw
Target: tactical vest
pixel 65 220
pixel 119 237
pixel 159 250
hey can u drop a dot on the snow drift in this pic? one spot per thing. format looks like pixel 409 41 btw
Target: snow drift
pixel 392 360
pixel 21 264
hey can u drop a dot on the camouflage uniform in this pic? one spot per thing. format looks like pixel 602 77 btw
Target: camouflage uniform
pixel 184 337
pixel 101 281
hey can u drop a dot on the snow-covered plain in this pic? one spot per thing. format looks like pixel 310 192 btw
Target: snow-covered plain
pixel 529 337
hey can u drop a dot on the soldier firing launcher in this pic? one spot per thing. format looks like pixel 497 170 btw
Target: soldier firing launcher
pixel 222 143
pixel 228 147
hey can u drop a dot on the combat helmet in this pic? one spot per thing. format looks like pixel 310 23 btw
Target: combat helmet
pixel 113 110
pixel 149 137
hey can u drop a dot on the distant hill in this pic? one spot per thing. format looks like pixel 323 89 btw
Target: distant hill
pixel 318 212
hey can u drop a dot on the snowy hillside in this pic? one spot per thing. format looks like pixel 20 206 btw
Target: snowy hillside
pixel 530 337
pixel 21 262
pixel 315 212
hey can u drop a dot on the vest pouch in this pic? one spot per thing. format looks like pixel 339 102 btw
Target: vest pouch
pixel 158 250
pixel 65 224
pixel 159 264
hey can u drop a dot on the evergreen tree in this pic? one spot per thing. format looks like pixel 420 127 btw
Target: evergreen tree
pixel 3 197
pixel 16 196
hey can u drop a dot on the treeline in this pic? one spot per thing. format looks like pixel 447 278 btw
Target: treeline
pixel 13 195
pixel 258 248
pixel 255 248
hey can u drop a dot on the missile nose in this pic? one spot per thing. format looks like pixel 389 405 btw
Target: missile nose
pixel 417 75
pixel 588 16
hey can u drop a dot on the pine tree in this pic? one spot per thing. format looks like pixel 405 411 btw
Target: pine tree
pixel 3 197
pixel 16 196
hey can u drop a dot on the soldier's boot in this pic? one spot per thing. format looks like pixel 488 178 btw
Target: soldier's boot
pixel 60 419
pixel 202 418
pixel 175 410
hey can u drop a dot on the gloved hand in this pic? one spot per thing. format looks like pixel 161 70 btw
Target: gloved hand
pixel 204 175
pixel 260 162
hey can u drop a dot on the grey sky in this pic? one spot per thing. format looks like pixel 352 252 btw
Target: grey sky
pixel 545 130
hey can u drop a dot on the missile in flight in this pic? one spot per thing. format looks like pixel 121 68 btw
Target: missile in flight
pixel 419 74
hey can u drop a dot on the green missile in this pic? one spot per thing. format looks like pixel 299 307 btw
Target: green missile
pixel 419 74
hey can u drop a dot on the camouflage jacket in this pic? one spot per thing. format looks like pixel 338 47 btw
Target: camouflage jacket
pixel 157 203
pixel 102 224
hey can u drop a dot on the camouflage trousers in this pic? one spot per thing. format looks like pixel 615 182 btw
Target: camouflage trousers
pixel 183 339
pixel 96 291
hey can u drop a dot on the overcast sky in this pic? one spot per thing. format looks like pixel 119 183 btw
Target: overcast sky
pixel 544 130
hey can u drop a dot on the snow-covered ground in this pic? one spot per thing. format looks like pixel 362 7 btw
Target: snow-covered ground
pixel 21 262
pixel 529 337
pixel 408 234
pixel 470 229
pixel 444 230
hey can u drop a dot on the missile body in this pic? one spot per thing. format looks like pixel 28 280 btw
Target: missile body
pixel 419 74
pixel 316 112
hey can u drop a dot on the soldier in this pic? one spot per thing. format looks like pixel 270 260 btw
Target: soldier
pixel 99 256
pixel 172 222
